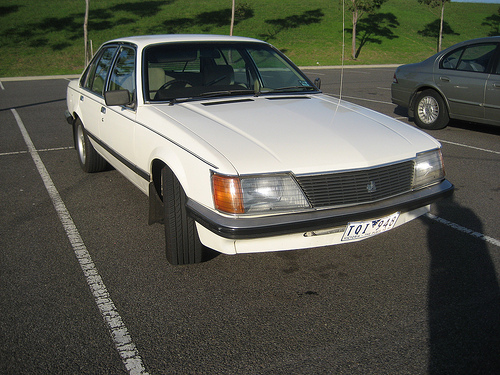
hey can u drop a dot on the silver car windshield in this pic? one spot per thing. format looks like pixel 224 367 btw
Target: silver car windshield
pixel 191 71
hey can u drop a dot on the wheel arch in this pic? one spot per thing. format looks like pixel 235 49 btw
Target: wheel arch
pixel 411 105
pixel 156 207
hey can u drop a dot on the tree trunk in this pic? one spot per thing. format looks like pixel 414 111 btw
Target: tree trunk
pixel 85 32
pixel 232 18
pixel 354 24
pixel 441 27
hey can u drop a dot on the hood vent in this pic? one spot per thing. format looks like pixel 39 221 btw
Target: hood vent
pixel 227 102
pixel 287 97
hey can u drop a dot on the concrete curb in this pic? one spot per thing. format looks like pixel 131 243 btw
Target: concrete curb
pixel 76 76
pixel 39 78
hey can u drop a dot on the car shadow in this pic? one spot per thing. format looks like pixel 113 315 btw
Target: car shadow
pixel 466 125
pixel 476 127
pixel 463 297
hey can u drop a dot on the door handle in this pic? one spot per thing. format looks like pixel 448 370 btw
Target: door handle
pixel 82 98
pixel 103 110
pixel 444 79
pixel 496 85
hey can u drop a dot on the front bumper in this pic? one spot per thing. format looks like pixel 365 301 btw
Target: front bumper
pixel 257 227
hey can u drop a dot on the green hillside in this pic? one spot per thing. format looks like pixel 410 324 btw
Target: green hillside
pixel 46 36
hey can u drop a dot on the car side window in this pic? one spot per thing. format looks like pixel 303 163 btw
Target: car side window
pixel 99 70
pixel 123 74
pixel 497 69
pixel 475 58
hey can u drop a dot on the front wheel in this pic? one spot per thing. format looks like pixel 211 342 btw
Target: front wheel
pixel 430 111
pixel 90 160
pixel 182 243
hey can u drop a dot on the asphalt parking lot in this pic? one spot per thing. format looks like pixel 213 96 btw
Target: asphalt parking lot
pixel 85 287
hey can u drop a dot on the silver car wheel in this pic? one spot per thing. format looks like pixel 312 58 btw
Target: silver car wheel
pixel 80 139
pixel 428 109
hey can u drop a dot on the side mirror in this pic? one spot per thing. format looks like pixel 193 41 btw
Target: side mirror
pixel 117 97
pixel 317 83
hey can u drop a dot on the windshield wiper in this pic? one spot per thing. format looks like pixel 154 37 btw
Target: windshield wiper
pixel 211 94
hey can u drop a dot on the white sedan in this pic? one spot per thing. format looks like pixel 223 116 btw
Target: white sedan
pixel 240 152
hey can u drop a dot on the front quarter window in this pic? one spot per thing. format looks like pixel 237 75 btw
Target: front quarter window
pixel 95 78
pixel 123 74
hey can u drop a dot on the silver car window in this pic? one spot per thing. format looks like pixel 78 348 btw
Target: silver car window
pixel 474 58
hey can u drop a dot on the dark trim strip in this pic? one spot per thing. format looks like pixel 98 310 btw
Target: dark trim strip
pixel 120 158
pixel 248 227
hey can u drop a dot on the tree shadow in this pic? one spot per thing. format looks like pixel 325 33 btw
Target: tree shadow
pixel 493 22
pixel 463 296
pixel 432 30
pixel 279 25
pixel 35 34
pixel 9 9
pixel 374 28
pixel 205 20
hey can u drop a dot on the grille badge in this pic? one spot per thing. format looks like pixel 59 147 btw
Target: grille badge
pixel 371 187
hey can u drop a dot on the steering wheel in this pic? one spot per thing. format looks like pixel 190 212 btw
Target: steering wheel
pixel 177 84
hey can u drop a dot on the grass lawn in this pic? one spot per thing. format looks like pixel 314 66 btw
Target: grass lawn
pixel 46 37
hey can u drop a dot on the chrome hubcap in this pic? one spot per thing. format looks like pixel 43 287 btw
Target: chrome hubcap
pixel 81 144
pixel 428 110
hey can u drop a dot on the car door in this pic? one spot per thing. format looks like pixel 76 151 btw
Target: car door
pixel 92 97
pixel 492 96
pixel 117 123
pixel 461 76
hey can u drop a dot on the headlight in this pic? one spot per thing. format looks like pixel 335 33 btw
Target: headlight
pixel 429 168
pixel 257 194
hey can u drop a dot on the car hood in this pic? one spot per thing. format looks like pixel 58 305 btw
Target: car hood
pixel 302 134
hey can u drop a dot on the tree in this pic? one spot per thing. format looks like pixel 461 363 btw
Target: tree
pixel 358 9
pixel 85 31
pixel 232 17
pixel 434 4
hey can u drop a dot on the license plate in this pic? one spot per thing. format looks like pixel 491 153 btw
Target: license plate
pixel 363 229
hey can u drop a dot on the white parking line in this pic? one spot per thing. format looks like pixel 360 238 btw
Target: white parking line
pixel 472 147
pixel 462 229
pixel 41 150
pixel 362 99
pixel 119 333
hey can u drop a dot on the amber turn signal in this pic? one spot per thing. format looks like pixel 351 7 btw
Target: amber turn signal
pixel 227 194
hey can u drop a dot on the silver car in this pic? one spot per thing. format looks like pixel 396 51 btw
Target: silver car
pixel 462 82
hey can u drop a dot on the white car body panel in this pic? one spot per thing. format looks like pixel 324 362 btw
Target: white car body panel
pixel 246 135
pixel 316 127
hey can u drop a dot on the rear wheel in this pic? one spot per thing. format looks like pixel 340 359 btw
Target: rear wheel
pixel 182 243
pixel 89 159
pixel 430 111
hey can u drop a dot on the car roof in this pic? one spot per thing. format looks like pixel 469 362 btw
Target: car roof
pixel 145 40
pixel 489 39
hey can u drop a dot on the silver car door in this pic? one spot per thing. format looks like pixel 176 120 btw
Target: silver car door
pixel 461 76
pixel 492 97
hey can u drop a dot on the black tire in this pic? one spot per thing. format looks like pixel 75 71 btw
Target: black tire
pixel 430 111
pixel 182 243
pixel 90 160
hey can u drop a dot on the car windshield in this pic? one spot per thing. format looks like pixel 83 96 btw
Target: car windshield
pixel 185 71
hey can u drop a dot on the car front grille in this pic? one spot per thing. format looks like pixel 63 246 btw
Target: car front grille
pixel 358 186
